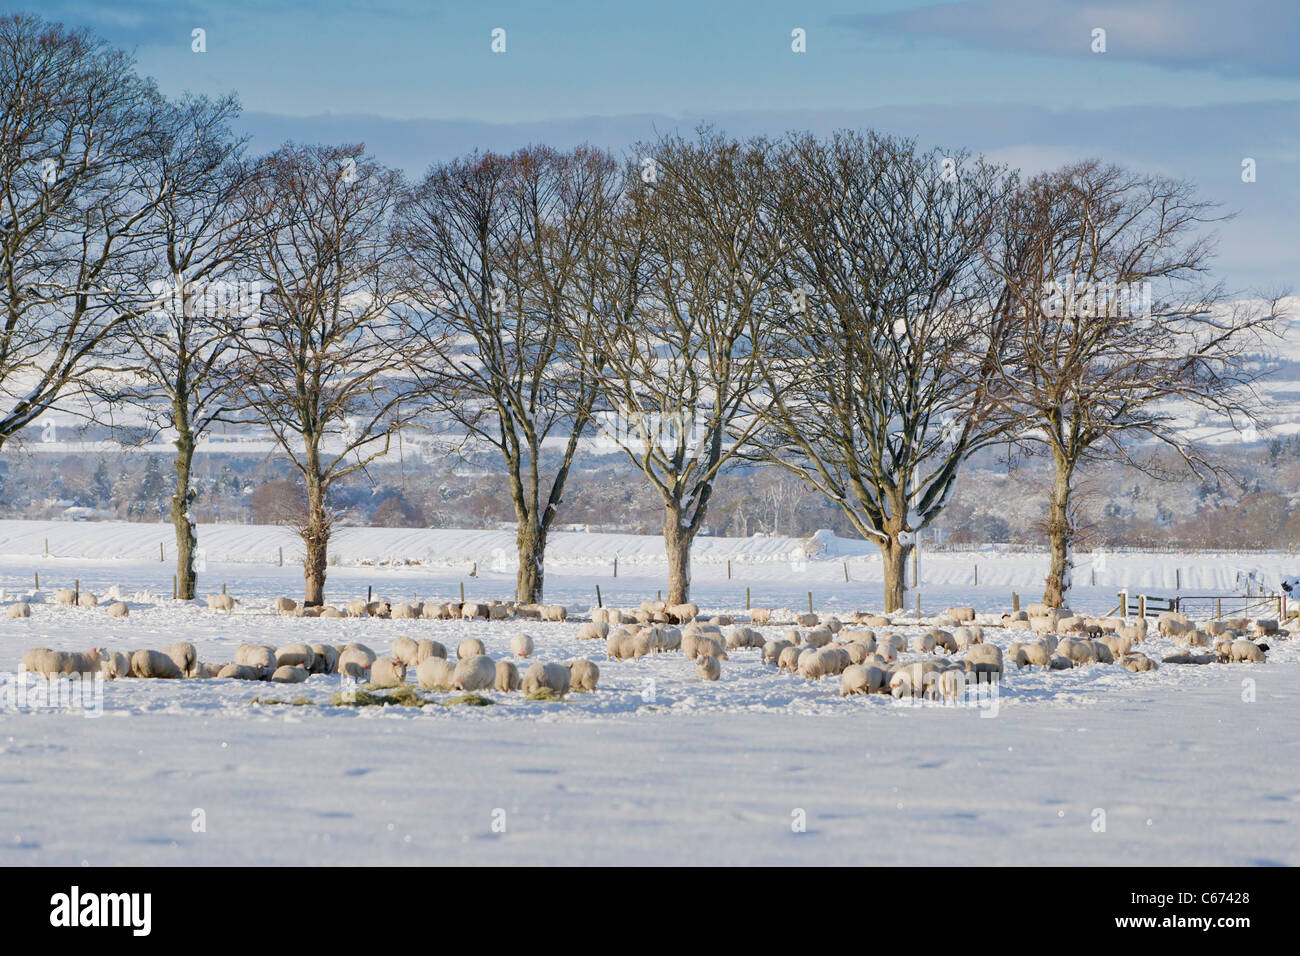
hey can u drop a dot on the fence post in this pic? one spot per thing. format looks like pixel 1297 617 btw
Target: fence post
pixel 462 592
pixel 1015 601
pixel 598 600
pixel 846 571
pixel 728 569
pixel 616 565
pixel 1142 606
pixel 977 574
pixel 1218 608
pixel 746 599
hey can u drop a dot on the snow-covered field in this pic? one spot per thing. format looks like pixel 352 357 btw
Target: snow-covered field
pixel 1186 765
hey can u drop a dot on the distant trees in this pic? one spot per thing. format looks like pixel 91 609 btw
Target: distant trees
pixel 1110 333
pixel 877 384
pixel 501 267
pixel 329 367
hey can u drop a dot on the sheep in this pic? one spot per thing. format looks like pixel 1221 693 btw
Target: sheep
pixel 239 672
pixel 951 684
pixel 1037 610
pixel 877 620
pixel 741 636
pixel 772 651
pixel 470 647
pixel 48 663
pixel 324 659
pixel 1029 655
pixel 1246 652
pixel 358 656
pixel 432 611
pixel 307 611
pixel 818 636
pixel 65 596
pixel 1119 647
pixel 923 643
pixel 670 639
pixel 703 645
pixel 498 612
pixel 358 608
pixel 815 663
pixel 887 651
pixel 961 613
pixel 760 615
pixel 21 609
pixel 521 645
pixel 425 649
pixel 1042 625
pixel 583 675
pixel 1059 663
pixel 861 679
pixel 184 656
pixel 154 664
pixel 964 637
pixel 1216 628
pixel 1077 651
pixel 86 599
pixel 944 640
pixel 284 605
pixel 983 659
pixel 387 672
pixel 913 680
pixel 506 678
pixel 1194 638
pixel 295 655
pixel 807 620
pixel 555 612
pixel 289 674
pixel 857 652
pixel 329 610
pixel 1186 657
pixel 406 651
pixel 556 677
pixel 788 659
pixel 1138 663
pixel 379 609
pixel 115 664
pixel 436 673
pixel 681 613
pixel 708 668
pixel 403 612
pixel 1136 633
pixel 595 631
pixel 621 645
pixel 1101 652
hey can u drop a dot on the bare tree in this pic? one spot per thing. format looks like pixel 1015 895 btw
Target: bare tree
pixel 878 379
pixel 500 251
pixel 76 205
pixel 682 331
pixel 328 366
pixel 1112 334
pixel 179 353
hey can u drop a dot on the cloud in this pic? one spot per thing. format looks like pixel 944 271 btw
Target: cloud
pixel 1243 38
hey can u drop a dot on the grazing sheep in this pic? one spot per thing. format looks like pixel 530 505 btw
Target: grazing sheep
pixel 621 645
pixel 470 647
pixel 406 650
pixel 1119 647
pixel 556 677
pixel 433 611
pixel 386 672
pixel 772 651
pixel 788 660
pixel 425 649
pixel 1029 655
pixel 284 605
pixel 436 673
pixel 1138 663
pixel 961 613
pixel 358 608
pixel 355 657
pixel 681 613
pixel 887 651
pixel 498 612
pixel 506 678
pixel 1077 651
pixel 289 674
pixel 257 656
pixel 861 679
pixel 329 610
pixel 555 612
pixel 118 609
pixel 670 639
pixel 964 637
pixel 707 667
pixel 818 636
pixel 1136 633
pixel 239 672
pixel 944 640
pixel 1101 653
pixel 295 655
pixel 48 663
pixel 221 602
pixel 816 663
pixel 65 596
pixel 184 656
pixel 583 675
pixel 86 599
pixel 1246 652
pixel 115 664
pixel 923 643
pixel 983 659
pixel 379 609
pixel 807 619
pixel 741 636
pixel 595 631
pixel 521 645
pixel 951 684
pixel 760 615
pixel 21 609
pixel 403 612
pixel 324 659
pixel 858 652
pixel 154 664
pixel 704 646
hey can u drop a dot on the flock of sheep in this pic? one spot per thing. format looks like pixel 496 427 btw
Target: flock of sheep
pixel 862 651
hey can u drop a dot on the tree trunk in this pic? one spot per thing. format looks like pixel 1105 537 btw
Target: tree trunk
pixel 529 582
pixel 1060 535
pixel 894 558
pixel 677 540
pixel 182 498
pixel 315 536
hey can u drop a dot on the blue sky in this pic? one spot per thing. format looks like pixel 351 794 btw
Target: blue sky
pixel 1186 87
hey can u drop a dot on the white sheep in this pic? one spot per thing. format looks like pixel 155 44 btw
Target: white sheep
pixel 556 677
pixel 807 619
pixel 470 647
pixel 521 645
pixel 386 672
pixel 329 610
pixel 983 659
pixel 406 650
pixel 436 673
pixel 295 655
pixel 48 663
pixel 433 611
pixel 355 657
pixel 284 605
pixel 155 664
pixel 708 667
pixel 358 608
pixel 507 677
pixel 239 672
pixel 760 615
pixel 1077 651
pixel 583 675
pixel 65 596
pixel 115 664
pixel 923 643
pixel 742 636
pixel 289 674
pixel 184 655
pixel 670 639
pixel 324 658
pixel 593 631
pixel 403 612
pixel 788 660
pixel 681 613
pixel 21 609
pixel 118 609
pixel 1138 663
pixel 475 673
pixel 425 648
pixel 555 612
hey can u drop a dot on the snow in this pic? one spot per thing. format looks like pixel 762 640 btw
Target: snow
pixel 1191 765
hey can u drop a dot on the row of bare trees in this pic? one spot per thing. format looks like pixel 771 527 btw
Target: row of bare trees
pixel 859 312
